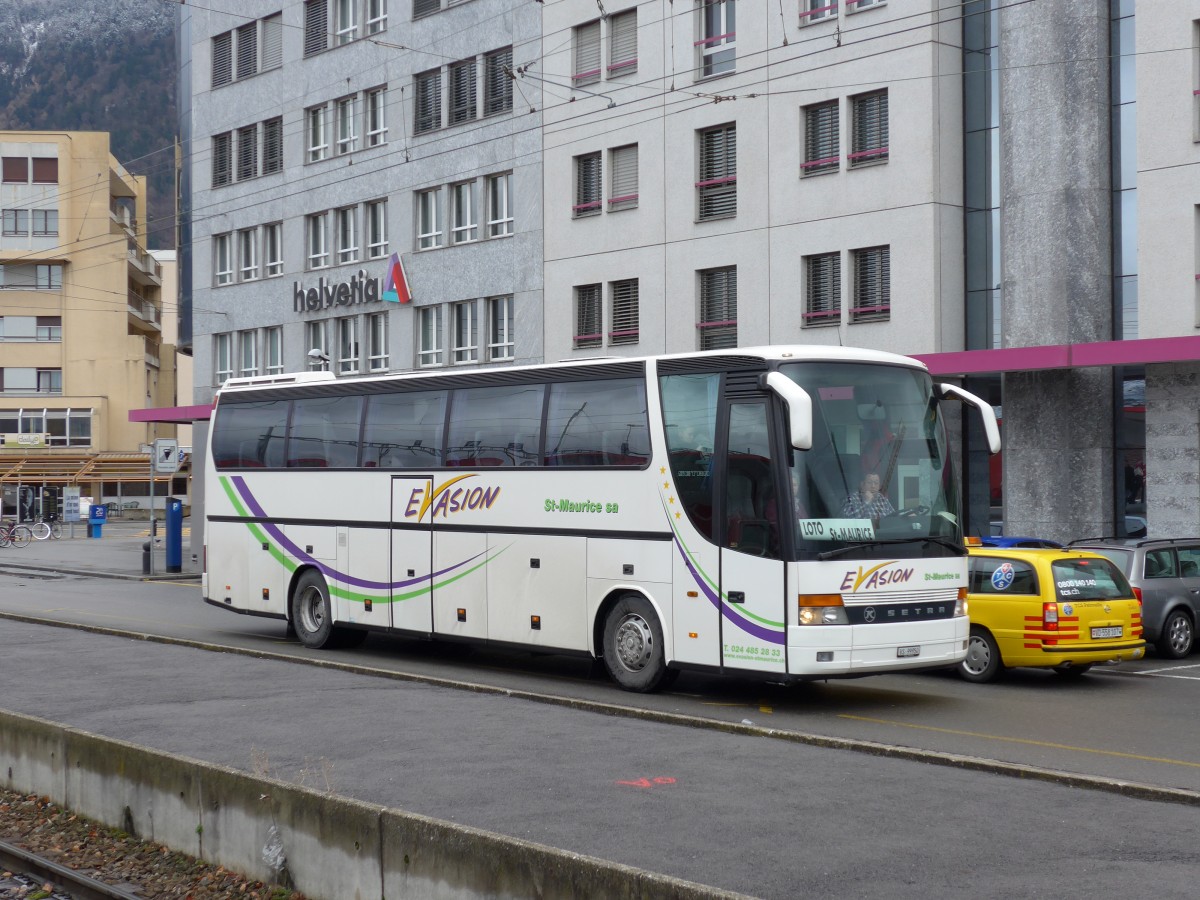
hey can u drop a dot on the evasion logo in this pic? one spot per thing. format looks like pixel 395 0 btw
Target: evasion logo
pixel 445 501
pixel 875 577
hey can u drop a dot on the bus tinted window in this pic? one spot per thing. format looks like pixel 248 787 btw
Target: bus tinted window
pixel 498 426
pixel 324 433
pixel 250 435
pixel 404 431
pixel 690 417
pixel 598 423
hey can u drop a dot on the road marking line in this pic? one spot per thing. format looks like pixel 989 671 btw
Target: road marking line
pixel 1049 744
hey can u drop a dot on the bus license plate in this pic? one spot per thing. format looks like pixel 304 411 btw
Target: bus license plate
pixel 908 651
pixel 1110 631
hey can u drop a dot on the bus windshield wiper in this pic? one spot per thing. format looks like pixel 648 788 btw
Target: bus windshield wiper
pixel 859 545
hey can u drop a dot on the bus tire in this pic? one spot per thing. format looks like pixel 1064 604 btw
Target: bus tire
pixel 633 646
pixel 312 613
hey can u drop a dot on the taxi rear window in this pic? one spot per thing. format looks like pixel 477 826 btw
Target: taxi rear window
pixel 1088 579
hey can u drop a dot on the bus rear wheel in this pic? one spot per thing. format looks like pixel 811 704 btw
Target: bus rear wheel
pixel 633 646
pixel 312 613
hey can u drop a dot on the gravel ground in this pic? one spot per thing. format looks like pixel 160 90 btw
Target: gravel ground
pixel 149 870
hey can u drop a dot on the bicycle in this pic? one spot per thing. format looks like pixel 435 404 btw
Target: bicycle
pixel 46 528
pixel 14 534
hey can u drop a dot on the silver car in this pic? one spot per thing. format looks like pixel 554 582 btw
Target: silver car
pixel 1165 575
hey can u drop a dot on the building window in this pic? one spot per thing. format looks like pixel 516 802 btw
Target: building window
pixel 589 326
pixel 347 345
pixel 49 329
pixel 425 7
pixel 823 289
pixel 347 235
pixel 223 258
pixel 346 21
pixel 497 88
pixel 318 143
pixel 49 277
pixel 717 184
pixel 718 308
pixel 870 143
pixel 273 247
pixel 624 312
pixel 45 222
pixel 248 254
pixel 499 200
pixel 429 344
pixel 466 332
pixel 16 222
pixel 247 50
pixel 347 125
pixel 588 185
pixel 316 26
pixel 501 345
pixel 376 16
pixel 718 29
pixel 222 358
pixel 272 42
pixel 429 223
pixel 376 117
pixel 273 348
pixel 377 242
pixel 816 10
pixel 222 159
pixel 49 381
pixel 623 163
pixel 318 240
pixel 247 353
pixel 317 338
pixel 853 6
pixel 377 342
pixel 464 226
pixel 272 151
pixel 428 105
pixel 622 43
pixel 872 284
pixel 247 152
pixel 821 137
pixel 15 170
pixel 222 59
pixel 587 54
pixel 462 92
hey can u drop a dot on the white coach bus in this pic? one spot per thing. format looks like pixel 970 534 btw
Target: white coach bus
pixel 689 511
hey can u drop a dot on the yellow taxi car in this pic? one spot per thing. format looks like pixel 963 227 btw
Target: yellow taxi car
pixel 1061 609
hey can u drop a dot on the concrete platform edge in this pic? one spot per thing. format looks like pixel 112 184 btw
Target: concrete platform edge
pixel 315 842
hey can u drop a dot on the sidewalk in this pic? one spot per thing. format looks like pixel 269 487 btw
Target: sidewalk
pixel 117 553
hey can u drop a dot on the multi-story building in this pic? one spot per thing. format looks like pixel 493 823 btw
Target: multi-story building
pixel 579 178
pixel 80 322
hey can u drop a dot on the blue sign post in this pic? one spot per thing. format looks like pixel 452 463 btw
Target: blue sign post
pixel 174 546
pixel 97 517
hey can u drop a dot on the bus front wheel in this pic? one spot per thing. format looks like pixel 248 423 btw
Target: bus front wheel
pixel 633 646
pixel 312 614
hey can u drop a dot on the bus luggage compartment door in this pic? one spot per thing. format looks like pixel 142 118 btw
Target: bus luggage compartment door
pixel 411 578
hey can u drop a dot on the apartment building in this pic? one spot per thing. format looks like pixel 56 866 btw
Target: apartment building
pixel 81 321
pixel 960 180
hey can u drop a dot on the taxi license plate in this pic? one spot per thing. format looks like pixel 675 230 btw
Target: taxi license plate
pixel 908 651
pixel 1110 631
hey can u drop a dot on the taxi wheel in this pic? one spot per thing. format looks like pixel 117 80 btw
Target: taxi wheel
pixel 1073 671
pixel 1177 636
pixel 983 663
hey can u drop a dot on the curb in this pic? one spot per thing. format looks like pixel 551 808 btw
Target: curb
pixel 101 573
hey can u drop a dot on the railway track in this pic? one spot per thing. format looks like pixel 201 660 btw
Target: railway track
pixel 32 872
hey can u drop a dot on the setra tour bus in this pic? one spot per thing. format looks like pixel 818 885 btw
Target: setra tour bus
pixel 664 513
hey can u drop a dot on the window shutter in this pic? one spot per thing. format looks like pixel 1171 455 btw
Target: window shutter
pixel 624 178
pixel 622 46
pixel 870 128
pixel 718 173
pixel 45 170
pixel 872 284
pixel 316 26
pixel 587 53
pixel 429 101
pixel 498 84
pixel 821 137
pixel 247 152
pixel 425 7
pixel 718 308
pixel 588 184
pixel 222 59
pixel 588 328
pixel 462 91
pixel 272 146
pixel 247 50
pixel 222 170
pixel 624 312
pixel 272 41
pixel 824 294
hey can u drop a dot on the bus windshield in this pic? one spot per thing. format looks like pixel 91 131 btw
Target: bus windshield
pixel 878 469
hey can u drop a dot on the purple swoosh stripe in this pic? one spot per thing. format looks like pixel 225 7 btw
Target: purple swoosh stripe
pixel 766 634
pixel 280 538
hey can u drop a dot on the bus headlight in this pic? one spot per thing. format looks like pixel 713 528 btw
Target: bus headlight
pixel 821 609
pixel 960 605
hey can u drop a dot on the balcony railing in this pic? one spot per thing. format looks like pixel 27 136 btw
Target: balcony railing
pixel 143 260
pixel 144 309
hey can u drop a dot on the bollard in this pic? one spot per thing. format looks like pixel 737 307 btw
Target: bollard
pixel 146 558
